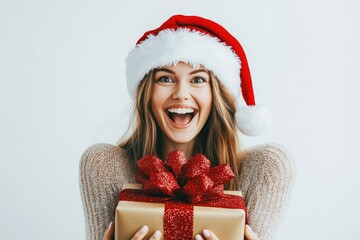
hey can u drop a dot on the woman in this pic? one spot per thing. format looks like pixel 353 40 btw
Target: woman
pixel 185 79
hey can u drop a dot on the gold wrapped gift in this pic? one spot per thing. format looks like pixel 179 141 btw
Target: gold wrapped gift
pixel 227 224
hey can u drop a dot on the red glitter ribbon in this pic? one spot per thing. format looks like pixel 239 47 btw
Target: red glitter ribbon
pixel 178 221
pixel 193 181
pixel 181 184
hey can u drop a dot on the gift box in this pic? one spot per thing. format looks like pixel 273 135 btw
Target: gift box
pixel 130 216
pixel 180 198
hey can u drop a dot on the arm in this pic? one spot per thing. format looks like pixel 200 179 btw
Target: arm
pixel 104 169
pixel 265 179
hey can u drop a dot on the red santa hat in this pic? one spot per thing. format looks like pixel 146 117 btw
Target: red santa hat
pixel 199 41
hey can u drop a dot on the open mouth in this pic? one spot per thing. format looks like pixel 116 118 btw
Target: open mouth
pixel 181 116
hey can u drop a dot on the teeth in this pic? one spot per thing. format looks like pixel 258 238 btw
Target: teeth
pixel 181 110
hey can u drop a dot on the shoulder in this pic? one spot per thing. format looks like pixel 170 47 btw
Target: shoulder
pixel 270 161
pixel 103 150
pixel 103 158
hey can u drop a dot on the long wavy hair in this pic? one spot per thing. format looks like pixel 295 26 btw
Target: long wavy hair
pixel 218 140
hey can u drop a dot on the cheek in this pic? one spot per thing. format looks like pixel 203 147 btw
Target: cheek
pixel 205 99
pixel 158 97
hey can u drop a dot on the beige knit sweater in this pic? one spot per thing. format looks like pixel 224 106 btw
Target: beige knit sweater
pixel 265 181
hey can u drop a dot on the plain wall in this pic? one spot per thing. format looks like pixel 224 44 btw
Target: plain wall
pixel 63 89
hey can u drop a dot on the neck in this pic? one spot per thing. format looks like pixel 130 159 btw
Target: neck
pixel 169 146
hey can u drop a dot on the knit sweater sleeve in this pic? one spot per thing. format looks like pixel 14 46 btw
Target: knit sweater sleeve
pixel 266 178
pixel 104 169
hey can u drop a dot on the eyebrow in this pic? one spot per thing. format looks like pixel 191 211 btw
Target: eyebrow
pixel 170 71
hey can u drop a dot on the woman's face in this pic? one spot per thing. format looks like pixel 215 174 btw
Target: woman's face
pixel 181 101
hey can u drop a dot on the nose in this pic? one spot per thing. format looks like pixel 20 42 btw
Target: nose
pixel 181 91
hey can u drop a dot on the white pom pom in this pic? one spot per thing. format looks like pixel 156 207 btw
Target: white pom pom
pixel 254 120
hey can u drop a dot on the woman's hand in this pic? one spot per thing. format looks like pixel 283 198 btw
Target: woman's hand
pixel 140 234
pixel 109 232
pixel 250 234
pixel 209 235
pixel 206 234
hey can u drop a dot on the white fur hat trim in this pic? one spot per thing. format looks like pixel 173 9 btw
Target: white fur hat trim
pixel 192 47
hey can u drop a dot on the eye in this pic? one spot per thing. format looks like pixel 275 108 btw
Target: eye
pixel 165 79
pixel 198 80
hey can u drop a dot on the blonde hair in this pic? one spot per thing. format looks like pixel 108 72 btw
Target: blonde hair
pixel 218 140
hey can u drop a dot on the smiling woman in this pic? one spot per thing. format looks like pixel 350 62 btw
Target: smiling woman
pixel 181 103
pixel 185 78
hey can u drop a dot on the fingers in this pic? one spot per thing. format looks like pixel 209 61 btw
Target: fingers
pixel 209 235
pixel 142 233
pixel 156 235
pixel 250 234
pixel 109 232
pixel 206 234
pixel 198 237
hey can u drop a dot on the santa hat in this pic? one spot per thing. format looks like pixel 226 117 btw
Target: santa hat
pixel 199 41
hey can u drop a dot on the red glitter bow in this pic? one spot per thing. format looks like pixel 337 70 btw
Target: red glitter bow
pixel 193 180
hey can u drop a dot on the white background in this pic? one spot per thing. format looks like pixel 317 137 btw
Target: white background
pixel 63 89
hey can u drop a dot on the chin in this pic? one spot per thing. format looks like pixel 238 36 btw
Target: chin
pixel 181 138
